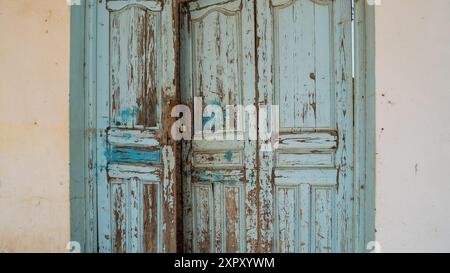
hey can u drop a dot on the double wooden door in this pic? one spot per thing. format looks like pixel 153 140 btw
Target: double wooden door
pixel 230 195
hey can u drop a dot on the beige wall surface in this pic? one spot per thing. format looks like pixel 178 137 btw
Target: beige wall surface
pixel 34 139
pixel 413 132
pixel 413 135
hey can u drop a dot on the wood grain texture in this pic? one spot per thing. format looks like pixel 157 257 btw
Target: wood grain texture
pixel 134 67
pixel 150 218
pixel 218 65
pixel 343 87
pixel 310 196
pixel 136 159
pixel 304 65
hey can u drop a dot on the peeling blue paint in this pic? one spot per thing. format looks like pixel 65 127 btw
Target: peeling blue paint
pixel 211 119
pixel 229 156
pixel 135 156
pixel 206 120
pixel 127 115
pixel 214 177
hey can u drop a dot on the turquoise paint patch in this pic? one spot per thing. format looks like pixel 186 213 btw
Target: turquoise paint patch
pixel 206 120
pixel 213 177
pixel 211 118
pixel 128 115
pixel 216 177
pixel 135 156
pixel 229 156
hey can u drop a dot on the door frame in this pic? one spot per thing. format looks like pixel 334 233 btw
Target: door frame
pixel 83 67
pixel 83 187
pixel 365 125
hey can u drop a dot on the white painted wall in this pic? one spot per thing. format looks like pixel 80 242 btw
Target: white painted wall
pixel 34 139
pixel 413 135
pixel 413 108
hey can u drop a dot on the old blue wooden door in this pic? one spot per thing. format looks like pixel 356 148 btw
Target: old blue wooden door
pixel 236 197
pixel 136 157
pixel 296 54
pixel 305 66
pixel 219 186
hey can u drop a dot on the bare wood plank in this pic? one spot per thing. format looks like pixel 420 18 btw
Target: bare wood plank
pixel 150 218
pixel 187 99
pixel 233 217
pixel 119 195
pixel 169 83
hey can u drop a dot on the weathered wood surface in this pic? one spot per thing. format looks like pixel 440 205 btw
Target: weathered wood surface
pixel 305 66
pixel 136 157
pixel 236 198
pixel 302 197
pixel 220 189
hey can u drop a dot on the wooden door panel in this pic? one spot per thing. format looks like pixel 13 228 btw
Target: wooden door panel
pixel 217 56
pixel 135 156
pixel 292 53
pixel 135 43
pixel 218 65
pixel 305 66
pixel 302 64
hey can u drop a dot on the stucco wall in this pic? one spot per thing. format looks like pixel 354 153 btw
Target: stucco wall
pixel 413 134
pixel 413 111
pixel 34 142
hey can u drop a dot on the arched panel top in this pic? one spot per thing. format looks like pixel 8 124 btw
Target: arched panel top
pixel 201 9
pixel 286 3
pixel 117 5
pixel 135 68
pixel 217 54
pixel 303 65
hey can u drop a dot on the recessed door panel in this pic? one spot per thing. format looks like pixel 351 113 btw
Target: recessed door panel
pixel 305 66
